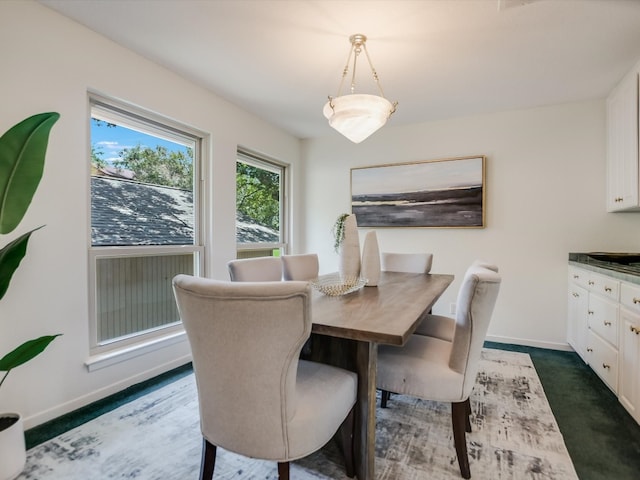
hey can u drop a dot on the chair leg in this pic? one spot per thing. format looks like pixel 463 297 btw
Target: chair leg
pixel 467 422
pixel 305 353
pixel 208 461
pixel 458 415
pixel 385 398
pixel 283 470
pixel 346 434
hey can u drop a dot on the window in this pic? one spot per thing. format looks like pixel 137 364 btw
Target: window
pixel 260 206
pixel 145 226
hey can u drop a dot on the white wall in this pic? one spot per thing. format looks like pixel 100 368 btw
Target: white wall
pixel 545 182
pixel 48 64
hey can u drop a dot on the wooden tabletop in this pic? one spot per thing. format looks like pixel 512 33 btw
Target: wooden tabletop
pixel 388 313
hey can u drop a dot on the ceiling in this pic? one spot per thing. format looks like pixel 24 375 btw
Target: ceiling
pixel 280 59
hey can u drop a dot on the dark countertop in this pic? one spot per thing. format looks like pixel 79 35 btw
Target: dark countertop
pixel 627 272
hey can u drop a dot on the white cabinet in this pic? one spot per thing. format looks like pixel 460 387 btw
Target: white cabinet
pixel 602 336
pixel 622 145
pixel 606 287
pixel 603 318
pixel 594 336
pixel 604 329
pixel 602 357
pixel 603 307
pixel 629 384
pixel 578 310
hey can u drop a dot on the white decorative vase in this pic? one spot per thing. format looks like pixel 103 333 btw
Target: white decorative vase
pixel 371 259
pixel 13 452
pixel 349 265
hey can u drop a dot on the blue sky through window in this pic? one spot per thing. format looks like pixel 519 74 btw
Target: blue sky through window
pixel 112 140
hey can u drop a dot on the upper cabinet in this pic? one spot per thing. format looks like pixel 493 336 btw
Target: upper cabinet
pixel 622 145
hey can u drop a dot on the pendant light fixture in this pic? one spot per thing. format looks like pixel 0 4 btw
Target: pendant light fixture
pixel 358 115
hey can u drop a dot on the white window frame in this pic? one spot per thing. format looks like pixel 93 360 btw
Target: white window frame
pixel 123 348
pixel 260 161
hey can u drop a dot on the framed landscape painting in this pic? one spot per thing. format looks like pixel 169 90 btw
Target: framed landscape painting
pixel 436 193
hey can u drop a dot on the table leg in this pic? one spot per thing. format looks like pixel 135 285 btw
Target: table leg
pixel 360 357
pixel 367 354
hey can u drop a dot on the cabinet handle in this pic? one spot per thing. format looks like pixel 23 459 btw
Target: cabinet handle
pixel 604 365
pixel 607 324
pixel 575 294
pixel 590 312
pixel 607 289
pixel 634 329
pixel 589 349
pixel 576 276
pixel 618 199
pixel 591 282
pixel 636 300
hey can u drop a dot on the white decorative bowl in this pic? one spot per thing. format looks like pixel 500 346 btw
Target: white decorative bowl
pixel 334 284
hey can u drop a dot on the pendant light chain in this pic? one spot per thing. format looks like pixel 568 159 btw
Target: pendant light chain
pixel 356 49
pixel 345 70
pixel 358 42
pixel 356 116
pixel 375 77
pixel 373 70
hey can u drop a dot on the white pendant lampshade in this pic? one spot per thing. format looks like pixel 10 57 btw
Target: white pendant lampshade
pixel 357 116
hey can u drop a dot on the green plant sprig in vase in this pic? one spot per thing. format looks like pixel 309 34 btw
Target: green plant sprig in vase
pixel 338 231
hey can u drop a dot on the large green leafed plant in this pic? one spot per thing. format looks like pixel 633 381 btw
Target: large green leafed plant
pixel 22 152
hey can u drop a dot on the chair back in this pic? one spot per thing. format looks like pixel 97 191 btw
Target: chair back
pixel 406 262
pixel 259 269
pixel 302 267
pixel 245 340
pixel 485 264
pixel 476 299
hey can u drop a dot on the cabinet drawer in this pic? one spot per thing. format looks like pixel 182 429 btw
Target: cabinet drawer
pixel 581 277
pixel 605 286
pixel 630 296
pixel 603 359
pixel 603 318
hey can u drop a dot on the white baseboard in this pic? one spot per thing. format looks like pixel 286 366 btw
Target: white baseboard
pixel 76 403
pixel 530 343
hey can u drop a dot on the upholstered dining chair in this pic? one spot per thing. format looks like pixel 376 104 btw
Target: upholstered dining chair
pixel 259 269
pixel 406 262
pixel 302 267
pixel 441 326
pixel 434 369
pixel 418 263
pixel 261 402
pixel 412 262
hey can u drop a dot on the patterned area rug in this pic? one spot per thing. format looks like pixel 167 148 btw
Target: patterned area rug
pixel 156 437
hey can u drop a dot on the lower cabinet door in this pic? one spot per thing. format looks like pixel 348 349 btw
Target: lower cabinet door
pixel 577 328
pixel 629 386
pixel 603 359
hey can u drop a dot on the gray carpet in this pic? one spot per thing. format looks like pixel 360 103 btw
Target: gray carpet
pixel 156 437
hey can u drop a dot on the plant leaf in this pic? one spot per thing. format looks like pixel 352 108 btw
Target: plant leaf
pixel 25 352
pixel 10 257
pixel 22 152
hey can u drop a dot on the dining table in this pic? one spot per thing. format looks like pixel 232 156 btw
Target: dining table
pixel 347 330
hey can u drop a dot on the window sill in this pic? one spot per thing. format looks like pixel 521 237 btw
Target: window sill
pixel 107 359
